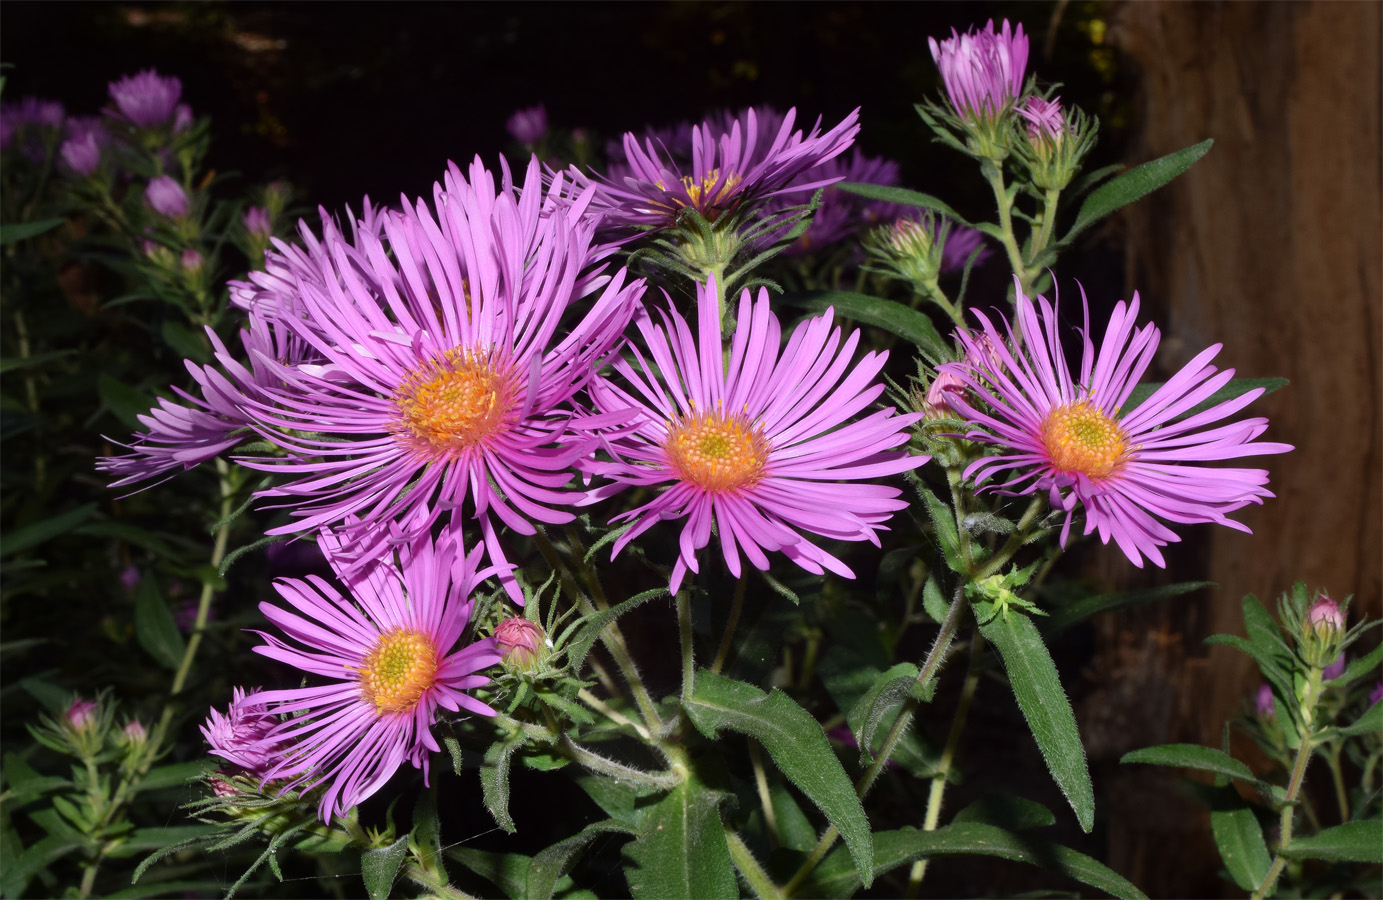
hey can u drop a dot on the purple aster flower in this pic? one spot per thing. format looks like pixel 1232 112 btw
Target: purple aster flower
pixel 148 99
pixel 1335 669
pixel 389 655
pixel 35 120
pixel 257 222
pixel 528 126
pixel 182 118
pixel 961 241
pixel 1263 703
pixel 191 260
pixel 81 154
pixel 765 447
pixel 1072 438
pixel 166 197
pixel 239 735
pixel 1046 121
pixel 728 168
pixel 982 70
pixel 522 643
pixel 446 365
pixel 840 214
pixel 1376 694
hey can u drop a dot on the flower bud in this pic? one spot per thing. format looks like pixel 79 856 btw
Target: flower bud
pixel 1376 694
pixel 1264 702
pixel 528 126
pixel 81 715
pixel 192 260
pixel 134 733
pixel 82 154
pixel 942 389
pixel 257 222
pixel 1322 632
pixel 522 644
pixel 166 197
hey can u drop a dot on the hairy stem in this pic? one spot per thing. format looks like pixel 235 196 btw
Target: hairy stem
pixel 759 881
pixel 1288 813
pixel 736 607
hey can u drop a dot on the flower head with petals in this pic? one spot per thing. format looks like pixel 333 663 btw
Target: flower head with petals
pixel 1075 438
pixel 147 99
pixel 238 735
pixel 447 351
pixel 742 162
pixel 767 447
pixel 982 70
pixel 388 658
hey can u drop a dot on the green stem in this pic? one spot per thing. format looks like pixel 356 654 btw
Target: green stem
pixel 603 766
pixel 736 606
pixel 31 393
pixel 995 176
pixel 218 553
pixel 1288 811
pixel 613 715
pixel 433 880
pixel 684 628
pixel 1049 203
pixel 1338 775
pixel 929 669
pixel 759 881
pixel 756 757
pixel 943 770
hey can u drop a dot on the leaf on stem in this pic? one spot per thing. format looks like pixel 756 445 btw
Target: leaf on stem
pixel 680 851
pixel 835 877
pixel 554 862
pixel 903 197
pixel 380 866
pixel 1037 687
pixel 494 781
pixel 155 626
pixel 1239 838
pixel 890 315
pixel 1350 842
pixel 1202 759
pixel 795 741
pixel 1135 183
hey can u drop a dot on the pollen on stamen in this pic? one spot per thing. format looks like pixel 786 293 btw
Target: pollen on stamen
pixel 1080 438
pixel 715 451
pixel 400 668
pixel 453 403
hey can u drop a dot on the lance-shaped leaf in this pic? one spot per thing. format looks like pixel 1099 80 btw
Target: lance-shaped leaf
pixel 1239 838
pixel 1202 759
pixel 155 626
pixel 890 315
pixel 795 741
pixel 1069 614
pixel 680 851
pixel 903 197
pixel 835 877
pixel 19 231
pixel 494 781
pixel 1135 183
pixel 1350 842
pixel 554 862
pixel 1037 687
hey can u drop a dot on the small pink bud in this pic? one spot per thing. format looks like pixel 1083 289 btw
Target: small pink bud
pixel 1325 617
pixel 166 197
pixel 944 387
pixel 1264 702
pixel 192 260
pixel 522 643
pixel 256 221
pixel 135 732
pixel 81 713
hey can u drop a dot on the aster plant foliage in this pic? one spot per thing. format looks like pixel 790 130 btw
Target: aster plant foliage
pixel 544 486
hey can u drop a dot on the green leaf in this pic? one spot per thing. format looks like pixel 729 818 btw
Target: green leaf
pixel 897 318
pixel 506 871
pixel 835 877
pixel 1267 661
pixel 1037 687
pixel 22 539
pixel 936 605
pixel 1067 615
pixel 901 196
pixel 552 863
pixel 380 866
pixel 617 798
pixel 427 830
pixel 1371 722
pixel 1235 388
pixel 10 363
pixel 795 741
pixel 21 231
pixel 1350 842
pixel 890 690
pixel 165 888
pixel 1133 184
pixel 1363 667
pixel 16 874
pixel 1239 838
pixel 155 626
pixel 127 403
pixel 142 840
pixel 1202 759
pixel 174 775
pixel 944 526
pixel 1006 811
pixel 795 830
pixel 680 850
pixel 494 781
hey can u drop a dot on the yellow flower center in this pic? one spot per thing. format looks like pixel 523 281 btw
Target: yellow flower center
pixel 716 452
pixel 1080 438
pixel 705 197
pixel 451 404
pixel 399 670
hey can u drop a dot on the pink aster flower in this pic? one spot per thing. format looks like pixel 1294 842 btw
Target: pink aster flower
pixel 166 197
pixel 446 360
pixel 256 221
pixel 238 735
pixel 1071 436
pixel 982 70
pixel 840 214
pixel 388 655
pixel 1046 121
pixel 765 447
pixel 81 154
pixel 148 99
pixel 529 125
pixel 729 167
pixel 1263 702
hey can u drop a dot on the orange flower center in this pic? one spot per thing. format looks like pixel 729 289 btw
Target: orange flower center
pixel 399 670
pixel 716 452
pixel 706 197
pixel 1080 438
pixel 451 404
